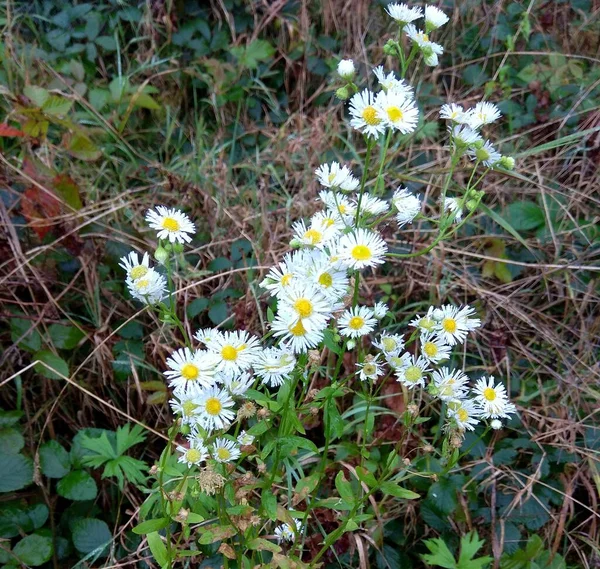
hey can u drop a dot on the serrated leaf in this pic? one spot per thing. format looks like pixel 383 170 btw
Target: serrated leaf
pixel 16 472
pixel 55 461
pixel 90 534
pixel 50 365
pixel 11 441
pixel 80 146
pixel 56 106
pixel 34 550
pixel 78 485
pixel 37 95
pixel 440 554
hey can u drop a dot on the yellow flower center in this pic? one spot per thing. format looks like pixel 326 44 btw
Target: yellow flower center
pixel 229 353
pixel 188 408
pixel 286 279
pixel 313 236
pixel 213 406
pixel 449 325
pixel 326 280
pixel 331 177
pixel 193 455
pixel 369 369
pixel 389 344
pixel 342 208
pixel 369 115
pixel 328 221
pixel 297 329
pixel 413 374
pixel 138 272
pixel 462 415
pixel 223 453
pixel 141 283
pixel 189 371
pixel 395 362
pixel 356 323
pixel 303 307
pixel 361 253
pixel 395 114
pixel 489 393
pixel 170 224
pixel 425 37
pixel 430 349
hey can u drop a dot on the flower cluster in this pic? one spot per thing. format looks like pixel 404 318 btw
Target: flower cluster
pixel 143 282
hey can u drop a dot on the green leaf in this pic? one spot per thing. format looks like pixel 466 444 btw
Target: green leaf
pixel 10 418
pixel 55 461
pixel 65 337
pixel 57 106
pixel 251 55
pixel 260 544
pixel 557 143
pixel 144 101
pixel 393 489
pixel 151 525
pixel 505 225
pixel 16 472
pixel 50 365
pixel 24 332
pixel 107 43
pixel 525 215
pixel 365 476
pixel 68 191
pixel 158 549
pixel 90 534
pixel 333 418
pixel 440 554
pixel 92 25
pixel 78 485
pixel 128 436
pixel 37 95
pixel 218 312
pixel 34 550
pixel 344 488
pixel 268 501
pixel 11 441
pixel 80 146
pixel 470 544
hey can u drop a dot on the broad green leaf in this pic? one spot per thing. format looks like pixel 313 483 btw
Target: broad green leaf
pixel 93 23
pixel 18 519
pixel 151 525
pixel 10 418
pixel 505 225
pixel 34 550
pixel 90 534
pixel 11 441
pixel 269 503
pixel 440 554
pixel 25 332
pixel 65 337
pixel 216 533
pixel 525 215
pixel 344 488
pixel 158 549
pixel 56 106
pixel 68 190
pixel 80 146
pixel 78 485
pixel 37 95
pixel 50 365
pixel 144 101
pixel 107 43
pixel 16 472
pixel 393 489
pixel 55 461
pixel 260 544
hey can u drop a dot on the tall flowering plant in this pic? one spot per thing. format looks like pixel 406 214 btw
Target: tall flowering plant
pixel 239 470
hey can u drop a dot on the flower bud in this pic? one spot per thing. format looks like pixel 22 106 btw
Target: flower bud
pixel 161 255
pixel 482 154
pixel 496 424
pixel 391 47
pixel 343 93
pixel 295 244
pixel 178 247
pixel 507 162
pixel 346 69
pixel 471 205
pixel 185 430
pixel 350 344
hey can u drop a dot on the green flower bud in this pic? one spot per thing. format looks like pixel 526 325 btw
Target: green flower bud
pixel 471 205
pixel 507 162
pixel 185 430
pixel 391 47
pixel 295 244
pixel 343 93
pixel 482 154
pixel 178 247
pixel 350 344
pixel 478 144
pixel 161 255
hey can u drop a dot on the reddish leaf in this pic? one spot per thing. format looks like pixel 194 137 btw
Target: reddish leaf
pixel 7 130
pixel 39 207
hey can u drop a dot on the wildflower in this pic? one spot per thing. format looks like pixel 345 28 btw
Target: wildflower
pixel 396 361
pixel 492 399
pixel 135 268
pixel 412 372
pixel 390 82
pixel 429 49
pixel 398 111
pixel 338 203
pixel 425 323
pixel 210 481
pixel 236 351
pixel 357 322
pixel 452 205
pixel 454 113
pixel 274 365
pixel 171 224
pixel 464 414
pixel 336 176
pixel 372 205
pixel 407 204
pixel 185 406
pixel 434 18
pixel 464 136
pixel 207 335
pixel 366 116
pixel 485 154
pixel 293 333
pixel 380 309
pixel 308 304
pixel 149 289
pixel 449 385
pixel 237 384
pixel 244 439
pixel 362 249
pixel 434 348
pixel 214 408
pixel 371 369
pixel 224 450
pixel 496 424
pixel 189 369
pixel 316 235
pixel 483 113
pixel 390 344
pixel 346 69
pixel 329 279
pixel 287 532
pixel 281 276
pixel 195 454
pixel 403 14
pixel 455 323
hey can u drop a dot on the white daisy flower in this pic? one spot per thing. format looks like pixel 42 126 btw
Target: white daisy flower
pixel 171 224
pixel 237 384
pixel 417 36
pixel 425 323
pixel 356 322
pixel 286 532
pixel 453 112
pixel 338 203
pixel 329 279
pixel 398 112
pixel 483 113
pixel 407 204
pixel 403 14
pixel 214 408
pixel 453 205
pixel 370 369
pixel 293 334
pixel 332 175
pixel 194 455
pixel 464 136
pixel 236 351
pixel 362 248
pixel 135 268
pixel 492 399
pixel 244 439
pixel 365 115
pixel 448 385
pixel 189 370
pixel 372 205
pixel 455 324
pixel 412 372
pixel 185 406
pixel 149 289
pixel 463 414
pixel 380 309
pixel 307 303
pixel 225 450
pixel 346 69
pixel 390 344
pixel 207 335
pixel 390 82
pixel 316 235
pixel 274 365
pixel 396 361
pixel 281 276
pixel 434 18
pixel 434 348
pixel 430 53
pixel 486 154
